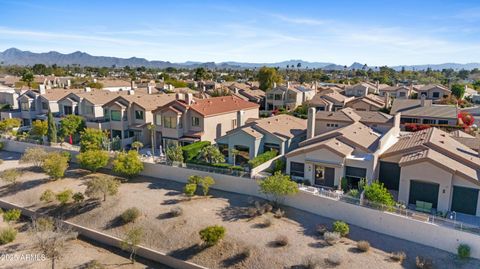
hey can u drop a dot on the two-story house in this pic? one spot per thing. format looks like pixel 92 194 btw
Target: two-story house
pixel 369 102
pixel 400 92
pixel 288 97
pixel 187 119
pixel 329 101
pixel 433 91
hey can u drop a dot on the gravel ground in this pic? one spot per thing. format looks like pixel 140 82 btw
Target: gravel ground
pixel 179 235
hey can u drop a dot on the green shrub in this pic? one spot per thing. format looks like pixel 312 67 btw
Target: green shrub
pixel 278 165
pixel 190 152
pixel 261 158
pixel 377 193
pixel 354 193
pixel 7 235
pixel 78 197
pixel 341 227
pixel 93 159
pixel 43 224
pixel 130 215
pixel 174 154
pixel 190 189
pixel 47 196
pixel 212 234
pixel 127 164
pixel 64 197
pixel 55 165
pixel 2 145
pixel 67 155
pixel 12 215
pixel 463 251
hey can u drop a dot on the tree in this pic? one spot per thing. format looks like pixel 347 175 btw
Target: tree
pixel 458 90
pixel 267 76
pixel 132 239
pixel 35 155
pixel 137 145
pixel 277 186
pixel 70 125
pixel 93 159
pixel 200 73
pixel 377 193
pixel 206 182
pixel 127 164
pixel 51 240
pixel 92 139
pixel 55 165
pixel 102 186
pixel 10 176
pixel 151 127
pixel 39 128
pixel 7 125
pixel 27 77
pixel 212 154
pixel 52 128
pixel 64 197
pixel 174 154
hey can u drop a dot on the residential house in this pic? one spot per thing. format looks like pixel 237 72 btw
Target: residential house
pixel 468 140
pixel 288 97
pixel 361 89
pixel 281 133
pixel 187 119
pixel 433 91
pixel 329 101
pixel 326 121
pixel 349 152
pixel 401 92
pixel 248 92
pixel 422 111
pixel 369 102
pixel 431 166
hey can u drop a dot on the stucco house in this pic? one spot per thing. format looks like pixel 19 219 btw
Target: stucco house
pixel 351 151
pixel 401 92
pixel 281 133
pixel 433 91
pixel 186 119
pixel 422 111
pixel 431 166
pixel 369 102
pixel 329 101
pixel 288 97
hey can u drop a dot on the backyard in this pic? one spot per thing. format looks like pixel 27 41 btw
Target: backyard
pixel 250 242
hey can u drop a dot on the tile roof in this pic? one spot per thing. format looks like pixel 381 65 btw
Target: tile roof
pixel 370 99
pixel 332 144
pixel 432 86
pixel 400 105
pixel 351 115
pixel 57 94
pixel 220 105
pixel 282 126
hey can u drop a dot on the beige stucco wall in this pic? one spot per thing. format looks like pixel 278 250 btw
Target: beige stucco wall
pixel 321 126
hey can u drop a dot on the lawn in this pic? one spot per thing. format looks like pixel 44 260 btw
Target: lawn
pixel 248 242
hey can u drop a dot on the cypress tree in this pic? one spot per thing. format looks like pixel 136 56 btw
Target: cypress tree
pixel 52 128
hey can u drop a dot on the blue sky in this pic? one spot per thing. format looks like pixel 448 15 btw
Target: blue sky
pixel 372 32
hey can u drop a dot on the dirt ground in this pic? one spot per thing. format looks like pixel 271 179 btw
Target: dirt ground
pixel 77 254
pixel 179 237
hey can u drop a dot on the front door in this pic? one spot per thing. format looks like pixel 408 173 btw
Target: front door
pixel 324 176
pixel 464 200
pixel 423 191
pixel 389 175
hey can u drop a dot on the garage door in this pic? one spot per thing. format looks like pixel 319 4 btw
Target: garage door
pixel 389 175
pixel 423 191
pixel 464 200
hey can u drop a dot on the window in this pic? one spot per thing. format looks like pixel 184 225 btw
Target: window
pixel 332 125
pixel 297 169
pixel 444 122
pixel 436 95
pixel 128 134
pixel 195 121
pixel 32 106
pixel 67 110
pixel 106 113
pixel 116 115
pixel 319 175
pixel 271 96
pixel 271 146
pixel 409 120
pixel 24 106
pixel 158 119
pixel 278 96
pixel 116 134
pixel 428 121
pixel 401 94
pixel 234 123
pixel 170 122
pixel 44 106
pixel 138 115
pixel 88 110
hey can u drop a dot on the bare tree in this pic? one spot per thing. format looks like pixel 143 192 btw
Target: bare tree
pixel 132 239
pixel 50 239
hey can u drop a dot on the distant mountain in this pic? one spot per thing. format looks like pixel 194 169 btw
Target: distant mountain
pixel 15 56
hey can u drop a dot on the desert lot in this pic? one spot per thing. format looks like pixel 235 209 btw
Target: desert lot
pixel 179 237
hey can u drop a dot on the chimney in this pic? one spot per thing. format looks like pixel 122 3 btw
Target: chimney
pixel 311 123
pixel 189 98
pixel 69 83
pixel 387 99
pixel 41 89
pixel 274 85
pixel 131 92
pixel 132 85
pixel 422 100
pixel 88 89
pixel 240 118
pixel 179 96
pixel 149 89
pixel 288 84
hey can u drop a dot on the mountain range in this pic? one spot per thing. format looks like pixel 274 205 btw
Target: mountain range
pixel 15 56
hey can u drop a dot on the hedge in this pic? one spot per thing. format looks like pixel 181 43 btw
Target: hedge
pixel 218 165
pixel 190 152
pixel 261 158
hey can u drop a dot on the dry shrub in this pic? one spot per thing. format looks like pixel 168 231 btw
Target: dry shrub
pixel 252 212
pixel 398 256
pixel 279 213
pixel 363 246
pixel 176 211
pixel 281 241
pixel 312 262
pixel 331 237
pixel 423 263
pixel 321 229
pixel 334 259
pixel 268 207
pixel 246 253
pixel 267 222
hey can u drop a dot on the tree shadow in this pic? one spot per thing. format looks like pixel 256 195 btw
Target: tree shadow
pixel 234 260
pixel 233 213
pixel 20 186
pixel 259 225
pixel 318 244
pixel 70 210
pixel 354 250
pixel 114 223
pixel 171 202
pixel 12 248
pixel 187 252
pixel 173 193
